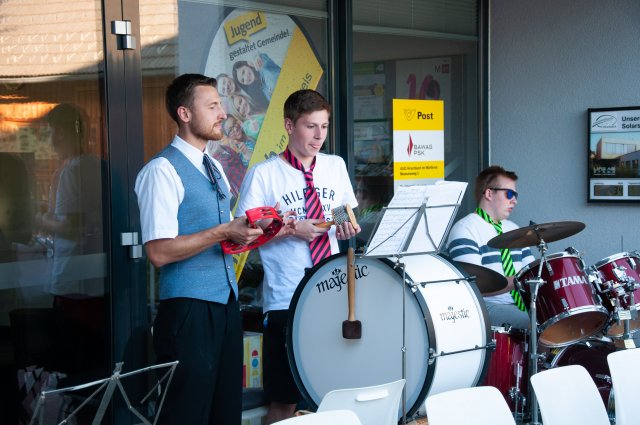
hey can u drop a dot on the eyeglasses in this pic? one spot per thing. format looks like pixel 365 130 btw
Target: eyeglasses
pixel 509 192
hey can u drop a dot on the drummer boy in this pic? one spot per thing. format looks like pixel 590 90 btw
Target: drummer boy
pixel 496 195
pixel 310 183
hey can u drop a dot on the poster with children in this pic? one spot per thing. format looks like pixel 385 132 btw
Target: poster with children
pixel 258 59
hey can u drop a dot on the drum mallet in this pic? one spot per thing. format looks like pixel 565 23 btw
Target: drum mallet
pixel 341 214
pixel 351 328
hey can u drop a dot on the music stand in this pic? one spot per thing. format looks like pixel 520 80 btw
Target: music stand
pixel 405 228
pixel 109 385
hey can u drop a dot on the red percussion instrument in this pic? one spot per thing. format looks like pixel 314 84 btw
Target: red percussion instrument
pixel 592 355
pixel 253 216
pixel 508 367
pixel 567 307
pixel 617 280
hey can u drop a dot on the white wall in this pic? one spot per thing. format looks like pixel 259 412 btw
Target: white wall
pixel 551 60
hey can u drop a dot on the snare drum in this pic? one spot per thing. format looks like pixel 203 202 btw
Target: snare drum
pixel 592 355
pixel 445 326
pixel 508 368
pixel 567 308
pixel 612 275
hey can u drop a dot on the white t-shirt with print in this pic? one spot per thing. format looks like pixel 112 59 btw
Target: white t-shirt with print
pixel 284 260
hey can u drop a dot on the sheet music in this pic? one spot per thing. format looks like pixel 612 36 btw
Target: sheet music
pixel 403 218
pixel 409 196
pixel 442 205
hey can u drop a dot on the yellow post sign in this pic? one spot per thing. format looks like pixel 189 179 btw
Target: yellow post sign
pixel 418 141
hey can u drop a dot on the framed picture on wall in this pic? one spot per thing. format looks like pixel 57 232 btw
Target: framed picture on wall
pixel 614 154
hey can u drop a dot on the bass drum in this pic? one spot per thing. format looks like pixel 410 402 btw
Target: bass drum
pixel 446 329
pixel 592 355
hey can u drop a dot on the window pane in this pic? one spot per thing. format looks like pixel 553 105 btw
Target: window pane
pixel 53 265
pixel 398 53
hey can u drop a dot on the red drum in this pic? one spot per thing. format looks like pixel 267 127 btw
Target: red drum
pixel 567 308
pixel 508 368
pixel 592 355
pixel 616 277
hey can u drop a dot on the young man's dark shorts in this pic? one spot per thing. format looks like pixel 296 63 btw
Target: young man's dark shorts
pixel 278 382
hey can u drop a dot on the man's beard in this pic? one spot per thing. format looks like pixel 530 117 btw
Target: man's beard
pixel 210 134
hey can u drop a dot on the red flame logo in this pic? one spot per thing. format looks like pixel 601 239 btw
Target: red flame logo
pixel 410 146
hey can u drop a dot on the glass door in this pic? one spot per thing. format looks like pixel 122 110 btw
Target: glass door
pixel 63 186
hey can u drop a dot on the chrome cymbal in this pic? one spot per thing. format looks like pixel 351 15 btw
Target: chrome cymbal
pixel 487 280
pixel 532 235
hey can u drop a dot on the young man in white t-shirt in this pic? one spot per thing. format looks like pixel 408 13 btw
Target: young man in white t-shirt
pixel 289 180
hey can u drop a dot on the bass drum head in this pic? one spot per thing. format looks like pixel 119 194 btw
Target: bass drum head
pixel 322 360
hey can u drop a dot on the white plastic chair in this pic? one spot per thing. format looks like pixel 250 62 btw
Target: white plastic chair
pixel 330 417
pixel 623 366
pixel 374 405
pixel 476 405
pixel 567 395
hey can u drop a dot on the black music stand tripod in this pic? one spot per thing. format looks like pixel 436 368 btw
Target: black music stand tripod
pixel 400 224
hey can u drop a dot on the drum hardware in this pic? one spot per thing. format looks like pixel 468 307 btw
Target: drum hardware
pixel 616 280
pixel 433 355
pixel 534 285
pixel 571 250
pixel 413 285
pixel 519 400
pixel 603 377
pixel 534 358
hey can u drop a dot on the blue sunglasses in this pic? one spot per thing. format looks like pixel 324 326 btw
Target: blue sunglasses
pixel 509 192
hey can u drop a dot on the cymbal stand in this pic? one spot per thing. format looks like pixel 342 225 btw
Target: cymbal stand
pixel 534 285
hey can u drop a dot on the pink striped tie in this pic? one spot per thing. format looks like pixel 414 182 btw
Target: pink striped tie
pixel 320 247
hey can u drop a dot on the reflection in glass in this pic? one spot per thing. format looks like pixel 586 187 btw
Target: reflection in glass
pixel 53 315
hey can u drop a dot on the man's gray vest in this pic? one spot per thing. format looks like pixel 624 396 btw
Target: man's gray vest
pixel 209 275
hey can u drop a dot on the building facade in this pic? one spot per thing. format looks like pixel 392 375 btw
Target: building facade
pixel 82 109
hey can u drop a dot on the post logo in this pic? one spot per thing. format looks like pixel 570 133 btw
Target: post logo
pixel 409 114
